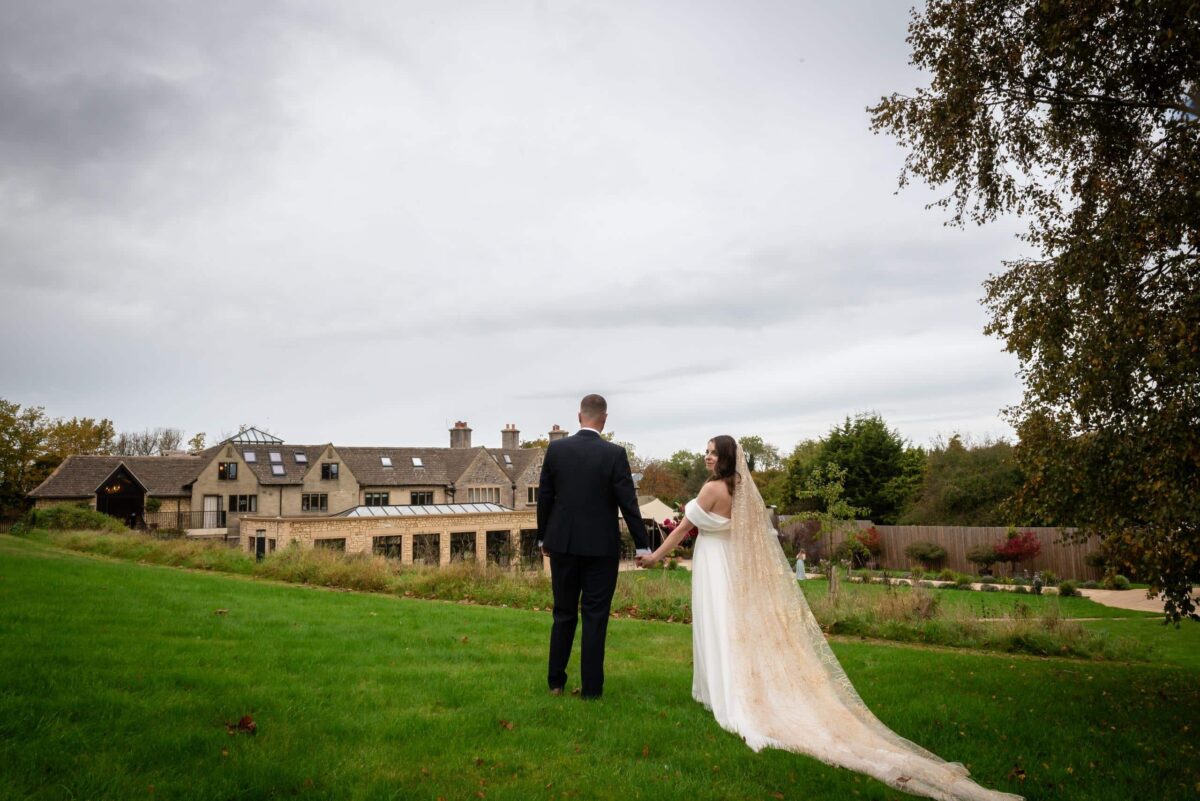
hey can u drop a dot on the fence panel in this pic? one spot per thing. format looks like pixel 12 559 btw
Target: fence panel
pixel 1064 559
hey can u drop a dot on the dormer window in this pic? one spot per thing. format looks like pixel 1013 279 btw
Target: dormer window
pixel 301 458
pixel 417 462
pixel 276 457
pixel 386 461
pixel 249 456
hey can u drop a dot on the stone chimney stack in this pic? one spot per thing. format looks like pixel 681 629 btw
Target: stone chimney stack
pixel 556 433
pixel 510 438
pixel 460 435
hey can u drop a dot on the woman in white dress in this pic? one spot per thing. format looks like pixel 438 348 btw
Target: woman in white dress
pixel 760 660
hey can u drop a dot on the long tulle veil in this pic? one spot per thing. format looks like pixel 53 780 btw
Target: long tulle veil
pixel 795 694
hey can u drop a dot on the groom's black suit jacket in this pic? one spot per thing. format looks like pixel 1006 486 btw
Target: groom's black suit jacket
pixel 584 481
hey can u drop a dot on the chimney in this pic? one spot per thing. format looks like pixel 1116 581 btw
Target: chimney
pixel 510 438
pixel 460 435
pixel 556 433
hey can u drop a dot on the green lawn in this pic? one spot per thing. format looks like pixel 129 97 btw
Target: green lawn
pixel 119 678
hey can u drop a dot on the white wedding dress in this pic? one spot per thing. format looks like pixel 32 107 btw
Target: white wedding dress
pixel 762 665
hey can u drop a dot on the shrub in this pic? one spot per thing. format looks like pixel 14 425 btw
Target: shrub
pixel 1018 548
pixel 853 551
pixel 68 517
pixel 926 584
pixel 983 555
pixel 1067 588
pixel 1090 585
pixel 153 504
pixel 929 554
pixel 986 587
pixel 962 580
pixel 1021 589
pixel 948 575
pixel 1049 579
pixel 1116 582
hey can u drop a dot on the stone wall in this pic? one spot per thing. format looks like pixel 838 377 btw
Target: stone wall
pixel 360 532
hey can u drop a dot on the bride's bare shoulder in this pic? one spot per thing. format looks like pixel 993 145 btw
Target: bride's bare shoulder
pixel 713 491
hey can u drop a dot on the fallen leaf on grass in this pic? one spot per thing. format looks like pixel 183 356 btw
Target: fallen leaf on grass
pixel 506 724
pixel 1017 773
pixel 244 726
pixel 220 611
pixel 464 639
pixel 778 795
pixel 645 751
pixel 224 752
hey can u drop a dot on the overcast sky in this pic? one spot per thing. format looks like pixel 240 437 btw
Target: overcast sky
pixel 359 222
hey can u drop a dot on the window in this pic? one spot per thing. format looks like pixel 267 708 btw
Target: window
pixel 227 471
pixel 243 503
pixel 483 495
pixel 277 470
pixel 392 547
pixel 249 456
pixel 376 499
pixel 276 457
pixel 271 546
pixel 301 458
pixel 329 470
pixel 386 461
pixel 331 543
pixel 314 502
pixel 507 460
pixel 423 498
pixel 417 462
pixel 533 494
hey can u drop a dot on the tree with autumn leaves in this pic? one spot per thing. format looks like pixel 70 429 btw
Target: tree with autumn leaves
pixel 1084 119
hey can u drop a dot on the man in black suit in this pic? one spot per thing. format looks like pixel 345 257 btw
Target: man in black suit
pixel 584 481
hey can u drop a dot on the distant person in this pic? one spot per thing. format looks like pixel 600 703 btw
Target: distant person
pixel 800 576
pixel 584 481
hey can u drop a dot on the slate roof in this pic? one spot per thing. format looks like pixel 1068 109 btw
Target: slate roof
pixel 521 458
pixel 293 471
pixel 442 466
pixel 81 476
pixel 423 511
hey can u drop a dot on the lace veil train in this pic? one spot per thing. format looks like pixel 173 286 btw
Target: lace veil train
pixel 794 693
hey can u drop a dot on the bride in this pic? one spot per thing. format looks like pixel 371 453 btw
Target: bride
pixel 761 662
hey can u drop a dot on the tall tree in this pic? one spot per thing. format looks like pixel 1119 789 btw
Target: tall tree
pixel 662 482
pixel 881 471
pixel 759 455
pixel 1085 119
pixel 22 444
pixel 964 484
pixel 79 435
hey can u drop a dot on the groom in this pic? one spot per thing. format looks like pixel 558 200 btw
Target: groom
pixel 584 481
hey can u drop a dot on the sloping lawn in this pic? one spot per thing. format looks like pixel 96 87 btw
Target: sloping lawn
pixel 119 680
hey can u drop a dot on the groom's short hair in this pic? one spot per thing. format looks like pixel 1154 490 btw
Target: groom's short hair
pixel 593 407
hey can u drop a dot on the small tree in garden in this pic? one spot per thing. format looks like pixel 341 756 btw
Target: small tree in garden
pixel 929 554
pixel 825 486
pixel 871 540
pixel 984 556
pixel 1018 548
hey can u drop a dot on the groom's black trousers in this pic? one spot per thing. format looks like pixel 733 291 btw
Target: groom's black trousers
pixel 582 585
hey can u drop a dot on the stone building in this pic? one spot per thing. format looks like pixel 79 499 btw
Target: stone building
pixel 254 473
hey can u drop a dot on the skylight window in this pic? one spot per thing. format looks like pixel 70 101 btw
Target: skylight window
pixel 507 460
pixel 277 470
pixel 417 462
pixel 386 461
pixel 249 457
pixel 301 458
pixel 276 457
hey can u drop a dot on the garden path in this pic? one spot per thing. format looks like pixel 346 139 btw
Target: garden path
pixel 1130 599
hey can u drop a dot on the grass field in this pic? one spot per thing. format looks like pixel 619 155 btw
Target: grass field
pixel 119 680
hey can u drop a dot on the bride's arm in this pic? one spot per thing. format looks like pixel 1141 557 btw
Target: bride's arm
pixel 673 539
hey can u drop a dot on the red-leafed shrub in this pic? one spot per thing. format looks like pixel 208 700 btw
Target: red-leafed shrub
pixel 1018 548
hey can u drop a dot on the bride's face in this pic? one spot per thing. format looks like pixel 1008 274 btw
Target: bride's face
pixel 710 457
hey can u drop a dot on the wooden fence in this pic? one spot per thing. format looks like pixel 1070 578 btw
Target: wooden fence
pixel 1064 559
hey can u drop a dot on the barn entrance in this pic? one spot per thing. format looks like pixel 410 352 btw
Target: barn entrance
pixel 122 496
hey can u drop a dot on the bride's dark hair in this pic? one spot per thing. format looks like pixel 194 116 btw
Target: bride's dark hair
pixel 726 467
